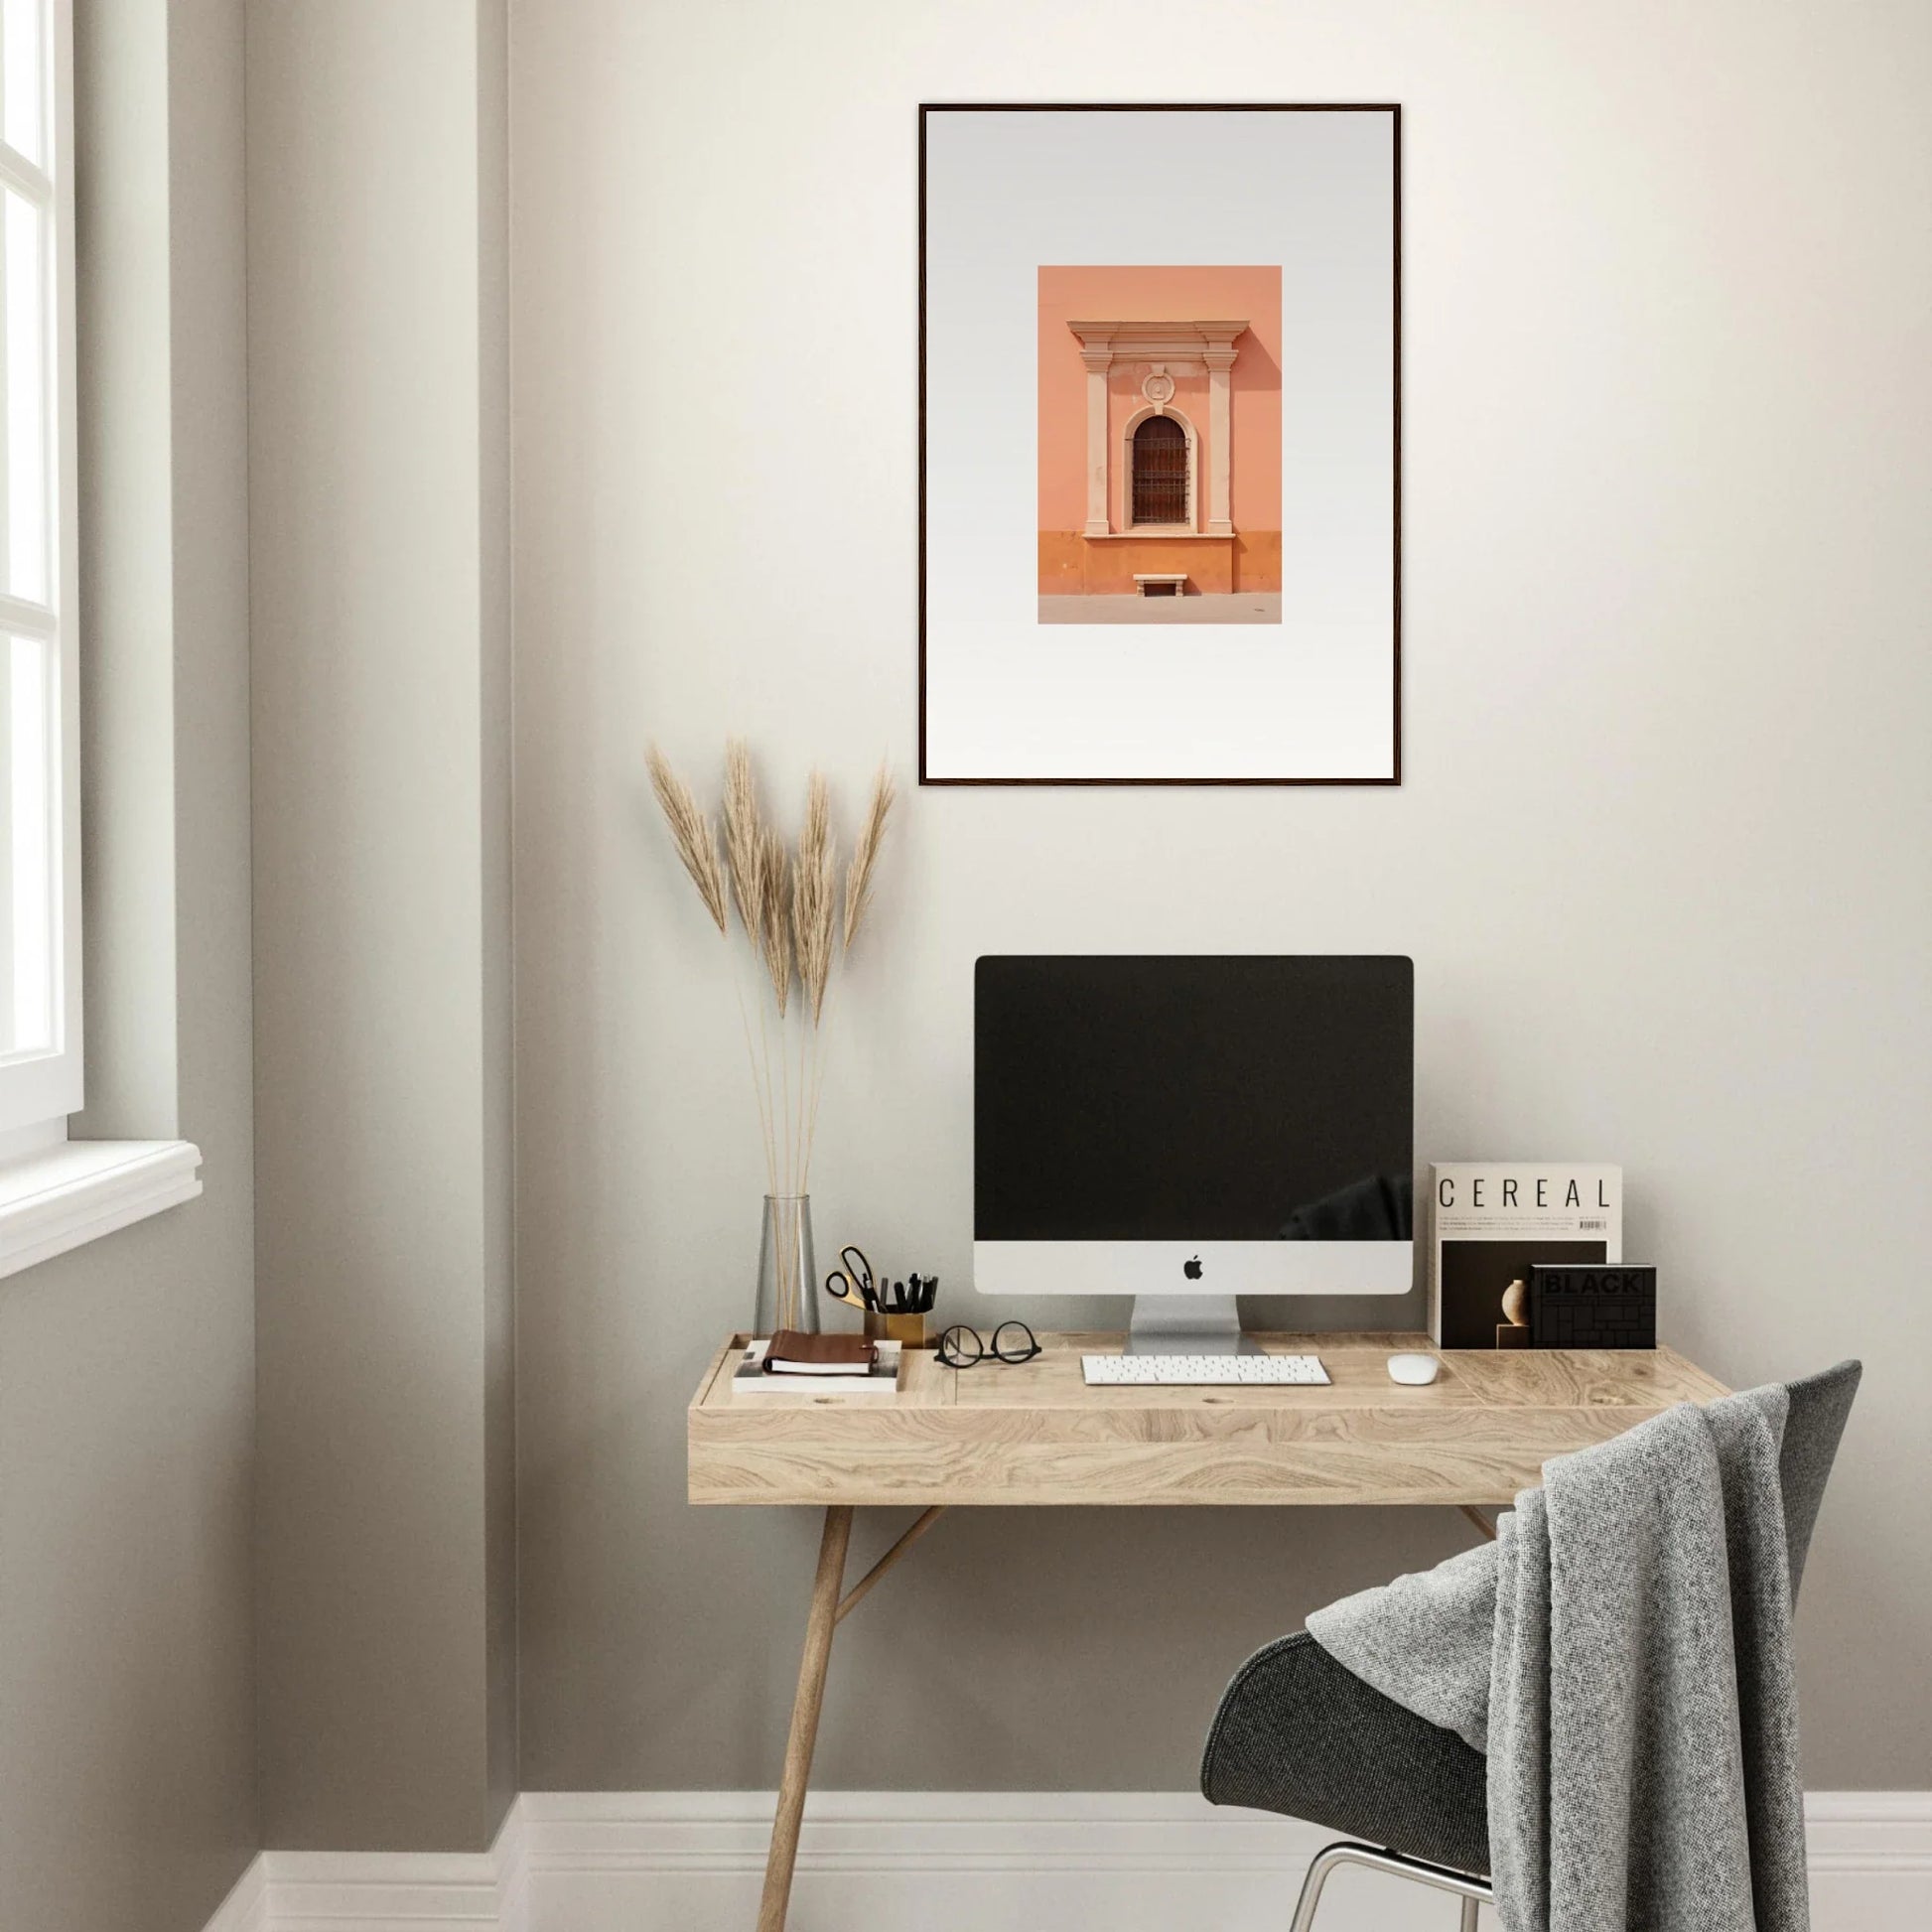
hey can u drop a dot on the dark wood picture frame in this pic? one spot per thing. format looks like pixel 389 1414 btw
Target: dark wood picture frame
pixel 1391 108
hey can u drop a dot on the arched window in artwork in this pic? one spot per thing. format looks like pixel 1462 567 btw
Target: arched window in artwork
pixel 1160 472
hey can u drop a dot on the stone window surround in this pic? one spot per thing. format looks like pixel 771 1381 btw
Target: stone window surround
pixel 1175 348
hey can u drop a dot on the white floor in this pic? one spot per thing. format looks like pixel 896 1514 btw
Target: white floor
pixel 957 1861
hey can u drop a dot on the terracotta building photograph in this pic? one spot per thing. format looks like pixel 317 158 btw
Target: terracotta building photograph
pixel 1160 445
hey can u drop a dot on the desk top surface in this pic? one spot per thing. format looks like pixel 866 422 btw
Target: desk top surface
pixel 1033 1434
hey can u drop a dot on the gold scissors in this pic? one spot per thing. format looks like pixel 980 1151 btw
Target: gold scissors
pixel 852 1282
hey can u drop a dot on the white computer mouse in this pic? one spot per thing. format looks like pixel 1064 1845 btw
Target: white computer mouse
pixel 1414 1369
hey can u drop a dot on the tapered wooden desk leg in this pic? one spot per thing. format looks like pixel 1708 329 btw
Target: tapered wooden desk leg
pixel 819 1622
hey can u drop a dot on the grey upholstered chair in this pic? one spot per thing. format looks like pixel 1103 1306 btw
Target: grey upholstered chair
pixel 1299 1734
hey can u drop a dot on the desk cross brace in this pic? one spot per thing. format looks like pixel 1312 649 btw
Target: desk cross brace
pixel 1478 1519
pixel 855 1595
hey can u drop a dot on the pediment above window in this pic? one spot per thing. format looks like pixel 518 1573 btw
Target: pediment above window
pixel 1182 347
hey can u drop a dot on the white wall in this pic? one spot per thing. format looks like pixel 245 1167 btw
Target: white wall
pixel 1659 855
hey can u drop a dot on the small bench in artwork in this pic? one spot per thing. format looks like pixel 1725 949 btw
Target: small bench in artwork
pixel 1162 583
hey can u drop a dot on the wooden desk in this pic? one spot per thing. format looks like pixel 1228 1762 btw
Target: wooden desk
pixel 1033 1434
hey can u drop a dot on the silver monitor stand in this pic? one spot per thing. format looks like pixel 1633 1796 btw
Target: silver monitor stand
pixel 1187 1324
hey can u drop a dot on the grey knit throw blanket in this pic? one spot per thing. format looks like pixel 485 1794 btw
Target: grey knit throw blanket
pixel 1622 1652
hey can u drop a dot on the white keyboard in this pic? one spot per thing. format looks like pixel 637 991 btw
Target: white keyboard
pixel 1201 1371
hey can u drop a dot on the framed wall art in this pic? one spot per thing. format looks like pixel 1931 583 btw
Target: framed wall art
pixel 1160 445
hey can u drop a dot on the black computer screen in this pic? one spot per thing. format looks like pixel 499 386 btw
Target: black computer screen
pixel 1194 1099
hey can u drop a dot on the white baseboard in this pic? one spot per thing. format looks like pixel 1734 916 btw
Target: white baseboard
pixel 384 1892
pixel 955 1861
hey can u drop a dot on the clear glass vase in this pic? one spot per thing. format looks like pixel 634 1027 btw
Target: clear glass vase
pixel 787 1273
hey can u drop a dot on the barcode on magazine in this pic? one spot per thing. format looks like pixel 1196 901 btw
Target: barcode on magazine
pixel 1598 1225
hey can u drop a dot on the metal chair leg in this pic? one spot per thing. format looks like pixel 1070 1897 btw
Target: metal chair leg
pixel 1323 1863
pixel 1472 1892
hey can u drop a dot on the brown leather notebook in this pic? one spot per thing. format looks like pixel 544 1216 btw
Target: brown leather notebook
pixel 793 1353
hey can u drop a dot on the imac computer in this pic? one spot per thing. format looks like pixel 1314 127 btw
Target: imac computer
pixel 1186 1130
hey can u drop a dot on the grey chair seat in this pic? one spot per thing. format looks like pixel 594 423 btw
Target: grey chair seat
pixel 1299 1734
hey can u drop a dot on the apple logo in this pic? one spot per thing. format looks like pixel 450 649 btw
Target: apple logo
pixel 1191 1269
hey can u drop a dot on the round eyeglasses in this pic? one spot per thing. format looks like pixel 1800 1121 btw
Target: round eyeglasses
pixel 1013 1341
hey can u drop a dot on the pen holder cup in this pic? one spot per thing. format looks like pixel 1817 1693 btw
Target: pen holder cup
pixel 906 1329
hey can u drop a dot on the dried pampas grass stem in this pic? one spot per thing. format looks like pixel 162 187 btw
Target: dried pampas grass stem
pixel 814 895
pixel 774 919
pixel 691 833
pixel 865 855
pixel 743 837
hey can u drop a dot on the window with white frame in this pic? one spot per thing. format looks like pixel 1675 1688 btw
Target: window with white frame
pixel 40 873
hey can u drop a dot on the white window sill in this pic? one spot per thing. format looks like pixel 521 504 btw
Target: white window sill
pixel 78 1190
